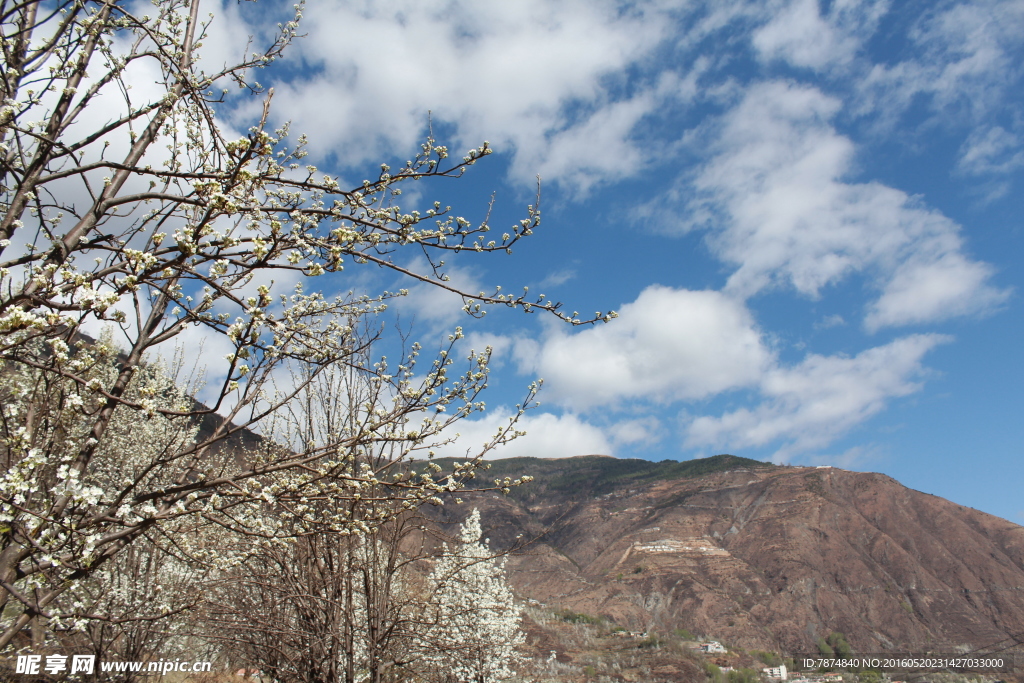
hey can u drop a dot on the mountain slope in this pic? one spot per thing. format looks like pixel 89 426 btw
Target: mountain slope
pixel 761 556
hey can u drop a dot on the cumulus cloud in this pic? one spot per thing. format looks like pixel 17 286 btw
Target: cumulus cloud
pixel 933 287
pixel 226 37
pixel 669 344
pixel 547 436
pixel 779 208
pixel 501 346
pixel 531 75
pixel 641 431
pixel 679 345
pixel 570 88
pixel 811 404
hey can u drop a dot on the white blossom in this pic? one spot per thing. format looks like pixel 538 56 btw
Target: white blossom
pixel 477 631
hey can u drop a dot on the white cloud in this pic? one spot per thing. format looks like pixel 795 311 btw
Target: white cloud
pixel 928 288
pixel 678 345
pixel 834 320
pixel 967 56
pixel 778 207
pixel 800 35
pixel 991 150
pixel 226 38
pixel 437 307
pixel 500 345
pixel 559 277
pixel 811 404
pixel 595 149
pixel 669 344
pixel 547 436
pixel 970 49
pixel 530 75
pixel 856 457
pixel 550 81
pixel 203 353
pixel 640 431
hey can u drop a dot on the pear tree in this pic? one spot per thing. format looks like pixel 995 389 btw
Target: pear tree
pixel 126 200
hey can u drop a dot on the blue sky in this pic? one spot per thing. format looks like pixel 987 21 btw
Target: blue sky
pixel 808 215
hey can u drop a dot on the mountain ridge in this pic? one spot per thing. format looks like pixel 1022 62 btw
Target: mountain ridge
pixel 759 555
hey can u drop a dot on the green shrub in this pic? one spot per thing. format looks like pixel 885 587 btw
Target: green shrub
pixel 577 617
pixel 839 645
pixel 714 674
pixel 869 676
pixel 650 641
pixel 744 676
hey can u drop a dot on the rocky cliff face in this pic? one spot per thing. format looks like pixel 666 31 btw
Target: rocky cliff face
pixel 761 556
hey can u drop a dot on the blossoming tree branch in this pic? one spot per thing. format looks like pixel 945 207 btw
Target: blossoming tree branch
pixel 127 202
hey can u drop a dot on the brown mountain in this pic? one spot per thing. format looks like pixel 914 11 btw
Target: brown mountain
pixel 761 556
